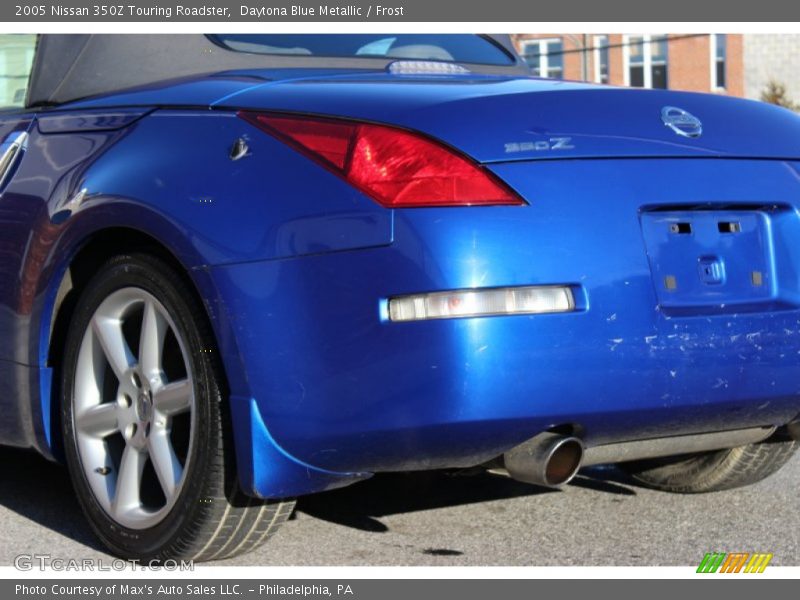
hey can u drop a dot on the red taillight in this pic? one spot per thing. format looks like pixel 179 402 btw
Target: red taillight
pixel 395 167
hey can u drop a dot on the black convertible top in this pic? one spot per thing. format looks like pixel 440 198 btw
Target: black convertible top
pixel 69 67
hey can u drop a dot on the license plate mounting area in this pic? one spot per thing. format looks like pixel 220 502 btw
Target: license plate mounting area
pixel 712 260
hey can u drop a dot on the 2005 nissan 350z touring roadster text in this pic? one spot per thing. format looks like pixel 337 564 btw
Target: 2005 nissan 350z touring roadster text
pixel 237 269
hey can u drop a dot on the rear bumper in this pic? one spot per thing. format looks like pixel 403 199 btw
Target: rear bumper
pixel 342 392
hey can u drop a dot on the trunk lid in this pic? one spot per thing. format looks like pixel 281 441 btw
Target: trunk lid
pixel 501 119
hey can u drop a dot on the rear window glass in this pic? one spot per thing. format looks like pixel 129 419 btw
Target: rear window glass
pixel 458 48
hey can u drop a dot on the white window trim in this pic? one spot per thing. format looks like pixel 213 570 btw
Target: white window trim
pixel 596 57
pixel 647 57
pixel 543 68
pixel 712 48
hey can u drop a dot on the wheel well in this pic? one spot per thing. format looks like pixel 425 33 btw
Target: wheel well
pixel 95 251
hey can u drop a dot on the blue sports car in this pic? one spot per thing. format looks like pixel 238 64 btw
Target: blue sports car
pixel 237 269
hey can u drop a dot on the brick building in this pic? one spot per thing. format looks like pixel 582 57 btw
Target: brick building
pixel 696 62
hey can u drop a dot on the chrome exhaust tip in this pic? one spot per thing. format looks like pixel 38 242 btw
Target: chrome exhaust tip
pixel 548 459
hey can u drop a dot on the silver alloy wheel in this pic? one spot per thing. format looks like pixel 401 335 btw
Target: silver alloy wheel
pixel 126 404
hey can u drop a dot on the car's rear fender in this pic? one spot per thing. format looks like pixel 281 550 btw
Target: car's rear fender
pixel 169 177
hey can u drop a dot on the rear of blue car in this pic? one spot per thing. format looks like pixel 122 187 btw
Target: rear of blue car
pixel 652 346
pixel 416 267
pixel 645 287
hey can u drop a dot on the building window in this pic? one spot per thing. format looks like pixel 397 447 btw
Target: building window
pixel 645 59
pixel 719 59
pixel 600 58
pixel 545 57
pixel 16 58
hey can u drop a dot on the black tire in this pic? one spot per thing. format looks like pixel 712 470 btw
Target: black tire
pixel 713 471
pixel 211 518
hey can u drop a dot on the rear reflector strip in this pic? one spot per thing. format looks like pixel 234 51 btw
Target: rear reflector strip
pixel 529 300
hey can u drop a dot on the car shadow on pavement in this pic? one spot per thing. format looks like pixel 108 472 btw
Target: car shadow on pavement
pixel 40 490
pixel 361 505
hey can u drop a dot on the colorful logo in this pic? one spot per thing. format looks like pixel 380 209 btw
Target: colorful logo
pixel 734 562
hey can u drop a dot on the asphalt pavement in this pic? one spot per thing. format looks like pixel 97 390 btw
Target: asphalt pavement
pixel 439 518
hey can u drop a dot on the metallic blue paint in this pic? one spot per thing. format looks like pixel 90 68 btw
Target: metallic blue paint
pixel 266 469
pixel 87 120
pixel 295 266
pixel 465 389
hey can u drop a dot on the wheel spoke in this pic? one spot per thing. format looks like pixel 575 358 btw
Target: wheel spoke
pixel 151 343
pixel 167 467
pixel 99 420
pixel 173 398
pixel 115 348
pixel 128 480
